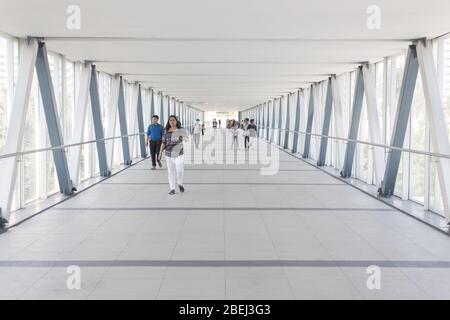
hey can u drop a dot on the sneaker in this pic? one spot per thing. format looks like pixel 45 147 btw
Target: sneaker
pixel 160 164
pixel 154 168
pixel 181 188
pixel 172 192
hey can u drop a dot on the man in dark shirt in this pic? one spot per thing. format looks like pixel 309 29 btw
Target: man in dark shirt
pixel 154 136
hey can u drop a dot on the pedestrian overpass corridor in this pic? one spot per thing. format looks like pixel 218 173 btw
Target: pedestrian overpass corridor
pixel 234 234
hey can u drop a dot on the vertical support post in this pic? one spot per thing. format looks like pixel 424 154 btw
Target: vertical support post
pixel 51 116
pixel 268 121
pixel 279 120
pixel 354 126
pixel 326 125
pixel 98 124
pixel 374 122
pixel 296 124
pixel 168 107
pixel 112 120
pixel 288 121
pixel 438 126
pixel 309 124
pixel 401 122
pixel 338 118
pixel 152 103
pixel 133 118
pixel 80 120
pixel 161 109
pixel 123 126
pixel 16 128
pixel 272 129
pixel 140 118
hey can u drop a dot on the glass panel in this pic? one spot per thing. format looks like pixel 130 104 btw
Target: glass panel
pixel 30 142
pixel 399 69
pixel 3 93
pixel 418 135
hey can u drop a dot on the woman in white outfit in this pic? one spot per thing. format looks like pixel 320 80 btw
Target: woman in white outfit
pixel 197 131
pixel 235 131
pixel 172 144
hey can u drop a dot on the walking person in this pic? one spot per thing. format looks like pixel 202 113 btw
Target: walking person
pixel 198 128
pixel 172 145
pixel 246 133
pixel 235 131
pixel 252 132
pixel 153 139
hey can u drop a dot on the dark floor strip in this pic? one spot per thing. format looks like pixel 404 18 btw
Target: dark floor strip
pixel 224 209
pixel 222 169
pixel 225 263
pixel 232 183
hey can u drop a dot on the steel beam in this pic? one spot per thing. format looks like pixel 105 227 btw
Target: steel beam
pixel 338 119
pixel 280 113
pixel 161 109
pixel 98 125
pixel 268 121
pixel 272 127
pixel 80 120
pixel 296 124
pixel 326 125
pixel 401 122
pixel 288 122
pixel 354 126
pixel 112 120
pixel 309 124
pixel 374 121
pixel 132 125
pixel 152 103
pixel 438 126
pixel 52 119
pixel 123 126
pixel 140 119
pixel 16 127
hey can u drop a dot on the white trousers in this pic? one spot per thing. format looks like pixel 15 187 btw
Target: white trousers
pixel 175 170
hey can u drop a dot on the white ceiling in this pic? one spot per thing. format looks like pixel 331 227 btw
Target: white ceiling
pixel 229 54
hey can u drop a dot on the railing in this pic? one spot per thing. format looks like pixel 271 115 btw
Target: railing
pixel 345 140
pixel 23 153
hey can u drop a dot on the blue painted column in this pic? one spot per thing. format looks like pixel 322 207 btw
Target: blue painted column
pixel 268 121
pixel 272 132
pixel 296 124
pixel 288 122
pixel 280 120
pixel 354 125
pixel 98 124
pixel 123 126
pixel 51 117
pixel 326 125
pixel 140 118
pixel 309 124
pixel 152 103
pixel 401 122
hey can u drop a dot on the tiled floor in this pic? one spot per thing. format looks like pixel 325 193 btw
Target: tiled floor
pixel 234 234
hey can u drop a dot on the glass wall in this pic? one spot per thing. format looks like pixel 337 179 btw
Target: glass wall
pixel 37 177
pixel 417 178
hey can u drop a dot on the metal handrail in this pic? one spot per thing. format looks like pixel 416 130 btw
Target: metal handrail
pixel 22 153
pixel 432 154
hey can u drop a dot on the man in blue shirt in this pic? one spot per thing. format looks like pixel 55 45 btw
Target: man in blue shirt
pixel 153 138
